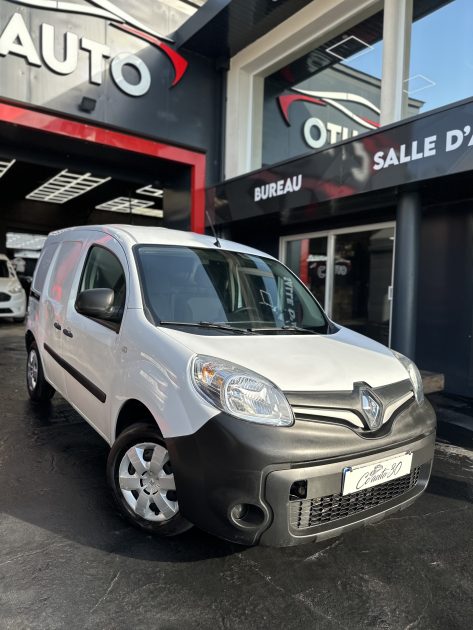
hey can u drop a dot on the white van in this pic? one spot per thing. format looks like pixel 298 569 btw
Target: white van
pixel 229 399
pixel 12 294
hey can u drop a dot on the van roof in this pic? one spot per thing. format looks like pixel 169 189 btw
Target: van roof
pixel 134 234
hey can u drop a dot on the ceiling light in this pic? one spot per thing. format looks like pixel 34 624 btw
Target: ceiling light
pixel 66 186
pixel 417 83
pixel 5 165
pixel 149 212
pixel 349 48
pixel 127 205
pixel 18 240
pixel 124 204
pixel 151 191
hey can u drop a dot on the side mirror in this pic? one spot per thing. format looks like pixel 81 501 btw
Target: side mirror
pixel 96 303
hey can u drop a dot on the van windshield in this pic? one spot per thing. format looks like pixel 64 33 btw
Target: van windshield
pixel 202 287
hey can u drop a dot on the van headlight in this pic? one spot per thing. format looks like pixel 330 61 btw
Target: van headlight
pixel 240 392
pixel 414 375
pixel 16 289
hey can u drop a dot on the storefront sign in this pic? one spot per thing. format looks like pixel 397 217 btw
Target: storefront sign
pixel 422 148
pixel 453 140
pixel 17 39
pixel 279 188
pixel 316 132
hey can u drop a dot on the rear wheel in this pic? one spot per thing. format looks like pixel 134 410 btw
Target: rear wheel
pixel 140 474
pixel 39 389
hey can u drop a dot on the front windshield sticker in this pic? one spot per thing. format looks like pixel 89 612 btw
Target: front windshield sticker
pixel 289 292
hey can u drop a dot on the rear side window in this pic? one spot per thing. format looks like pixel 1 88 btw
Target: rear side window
pixel 103 270
pixel 64 270
pixel 42 269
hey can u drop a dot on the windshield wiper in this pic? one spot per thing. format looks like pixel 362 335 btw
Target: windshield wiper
pixel 285 329
pixel 210 325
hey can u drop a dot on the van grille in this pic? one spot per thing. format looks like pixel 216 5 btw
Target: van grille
pixel 4 297
pixel 323 510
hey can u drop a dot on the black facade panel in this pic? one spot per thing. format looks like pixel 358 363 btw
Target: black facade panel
pixel 186 114
pixel 445 305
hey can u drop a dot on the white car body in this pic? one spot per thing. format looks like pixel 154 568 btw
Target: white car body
pixel 12 294
pixel 99 370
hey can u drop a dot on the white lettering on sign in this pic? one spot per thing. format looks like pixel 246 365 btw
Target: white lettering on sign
pixel 316 133
pixel 421 149
pixel 405 153
pixel 279 188
pixel 17 40
pixel 116 68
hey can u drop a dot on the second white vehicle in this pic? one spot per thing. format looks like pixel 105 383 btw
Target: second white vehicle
pixel 12 294
pixel 228 398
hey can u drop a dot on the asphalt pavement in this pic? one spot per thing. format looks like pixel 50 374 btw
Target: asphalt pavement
pixel 68 560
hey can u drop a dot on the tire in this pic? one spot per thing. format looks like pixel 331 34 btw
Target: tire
pixel 137 483
pixel 39 389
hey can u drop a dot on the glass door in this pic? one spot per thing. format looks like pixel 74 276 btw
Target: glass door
pixel 350 272
pixel 307 258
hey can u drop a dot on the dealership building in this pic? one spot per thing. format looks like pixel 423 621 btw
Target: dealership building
pixel 334 134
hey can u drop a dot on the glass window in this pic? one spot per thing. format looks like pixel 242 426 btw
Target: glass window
pixel 331 94
pixel 4 270
pixel 362 277
pixel 441 57
pixel 103 271
pixel 64 270
pixel 196 286
pixel 308 259
pixel 44 263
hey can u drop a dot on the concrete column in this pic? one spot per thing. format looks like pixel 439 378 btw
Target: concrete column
pixel 406 274
pixel 396 55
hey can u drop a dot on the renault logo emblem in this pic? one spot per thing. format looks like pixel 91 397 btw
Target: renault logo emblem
pixel 371 408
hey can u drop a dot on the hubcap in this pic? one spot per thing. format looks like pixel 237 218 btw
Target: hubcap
pixel 32 370
pixel 147 482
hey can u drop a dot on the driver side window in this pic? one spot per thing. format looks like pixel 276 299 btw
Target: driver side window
pixel 103 270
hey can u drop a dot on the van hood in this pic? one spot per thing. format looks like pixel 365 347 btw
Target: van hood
pixel 303 363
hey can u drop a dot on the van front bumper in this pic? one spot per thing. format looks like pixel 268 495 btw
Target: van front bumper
pixel 234 478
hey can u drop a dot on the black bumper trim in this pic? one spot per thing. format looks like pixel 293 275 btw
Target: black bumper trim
pixel 229 461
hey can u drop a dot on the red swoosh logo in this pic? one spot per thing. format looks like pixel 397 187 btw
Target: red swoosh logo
pixel 286 101
pixel 178 62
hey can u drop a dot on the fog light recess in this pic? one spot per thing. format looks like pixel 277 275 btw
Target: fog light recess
pixel 247 515
pixel 298 490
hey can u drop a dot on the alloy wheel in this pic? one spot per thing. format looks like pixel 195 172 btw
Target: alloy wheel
pixel 33 369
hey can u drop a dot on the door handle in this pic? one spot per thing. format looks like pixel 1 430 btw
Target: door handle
pixel 68 333
pixel 57 326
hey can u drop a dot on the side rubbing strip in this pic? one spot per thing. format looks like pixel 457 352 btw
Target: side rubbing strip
pixel 80 378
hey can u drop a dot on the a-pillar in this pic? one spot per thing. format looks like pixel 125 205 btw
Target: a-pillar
pixel 406 274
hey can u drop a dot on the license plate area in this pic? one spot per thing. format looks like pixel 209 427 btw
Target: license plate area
pixel 365 476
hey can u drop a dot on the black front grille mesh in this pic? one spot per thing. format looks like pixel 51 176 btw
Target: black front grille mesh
pixel 322 510
pixel 4 297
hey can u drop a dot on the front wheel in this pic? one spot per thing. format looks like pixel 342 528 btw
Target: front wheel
pixel 140 474
pixel 39 389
